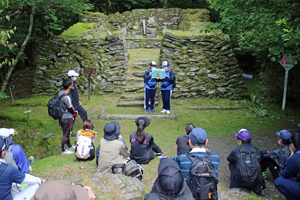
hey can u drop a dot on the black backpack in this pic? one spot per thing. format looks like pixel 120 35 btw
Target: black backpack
pixel 247 169
pixel 202 177
pixel 131 169
pixel 55 107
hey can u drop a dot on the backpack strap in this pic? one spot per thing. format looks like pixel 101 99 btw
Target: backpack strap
pixel 173 80
pixel 117 166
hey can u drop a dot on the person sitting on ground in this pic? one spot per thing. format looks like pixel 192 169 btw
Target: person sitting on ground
pixel 289 182
pixel 182 141
pixel 281 154
pixel 112 151
pixel 119 137
pixel 19 155
pixel 10 174
pixel 63 190
pixel 170 183
pixel 142 144
pixel 85 149
pixel 197 141
pixel 244 141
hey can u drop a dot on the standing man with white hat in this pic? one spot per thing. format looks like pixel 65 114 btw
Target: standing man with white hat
pixel 75 98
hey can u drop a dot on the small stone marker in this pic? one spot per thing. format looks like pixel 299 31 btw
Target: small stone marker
pixel 89 71
pixel 28 111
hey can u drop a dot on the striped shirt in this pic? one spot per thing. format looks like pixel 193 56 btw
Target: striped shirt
pixel 184 162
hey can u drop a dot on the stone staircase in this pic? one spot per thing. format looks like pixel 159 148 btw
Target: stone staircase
pixel 134 92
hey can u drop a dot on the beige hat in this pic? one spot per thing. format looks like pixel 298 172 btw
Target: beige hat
pixel 60 190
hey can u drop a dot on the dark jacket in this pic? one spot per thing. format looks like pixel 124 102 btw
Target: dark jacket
pixel 157 193
pixel 74 96
pixel 167 81
pixel 292 166
pixel 233 158
pixel 149 81
pixel 183 146
pixel 141 153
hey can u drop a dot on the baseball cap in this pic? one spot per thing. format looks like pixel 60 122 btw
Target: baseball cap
pixel 153 63
pixel 244 135
pixel 60 190
pixel 72 73
pixel 6 132
pixel 284 134
pixel 198 136
pixel 165 64
pixel 2 144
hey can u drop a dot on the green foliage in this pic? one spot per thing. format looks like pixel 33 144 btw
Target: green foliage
pixel 263 28
pixel 3 95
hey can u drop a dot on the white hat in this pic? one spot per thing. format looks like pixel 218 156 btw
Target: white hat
pixel 72 73
pixel 6 132
pixel 165 64
pixel 153 63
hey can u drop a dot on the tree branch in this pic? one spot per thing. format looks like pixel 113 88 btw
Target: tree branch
pixel 20 52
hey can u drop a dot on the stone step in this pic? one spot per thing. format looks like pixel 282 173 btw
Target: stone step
pixel 136 97
pixel 133 103
pixel 141 64
pixel 142 60
pixel 135 88
pixel 139 74
pixel 136 80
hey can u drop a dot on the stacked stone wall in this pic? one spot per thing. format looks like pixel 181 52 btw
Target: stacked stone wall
pixel 107 55
pixel 204 65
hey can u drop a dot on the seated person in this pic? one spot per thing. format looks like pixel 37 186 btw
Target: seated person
pixel 19 155
pixel 197 141
pixel 244 140
pixel 85 149
pixel 119 137
pixel 182 141
pixel 10 174
pixel 112 151
pixel 170 183
pixel 142 144
pixel 62 190
pixel 281 154
pixel 289 182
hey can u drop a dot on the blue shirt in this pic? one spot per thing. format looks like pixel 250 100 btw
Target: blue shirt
pixel 292 166
pixel 9 175
pixel 184 163
pixel 168 80
pixel 149 80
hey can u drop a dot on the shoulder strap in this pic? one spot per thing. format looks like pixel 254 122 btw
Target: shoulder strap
pixel 117 166
pixel 62 95
pixel 173 75
pixel 241 149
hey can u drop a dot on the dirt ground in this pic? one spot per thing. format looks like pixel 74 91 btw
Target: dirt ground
pixel 225 144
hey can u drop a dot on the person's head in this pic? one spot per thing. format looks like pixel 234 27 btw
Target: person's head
pixel 198 138
pixel 73 75
pixel 243 136
pixel 153 64
pixel 7 132
pixel 170 178
pixel 2 147
pixel 110 130
pixel 295 141
pixel 188 128
pixel 165 65
pixel 284 137
pixel 88 124
pixel 141 123
pixel 60 190
pixel 67 83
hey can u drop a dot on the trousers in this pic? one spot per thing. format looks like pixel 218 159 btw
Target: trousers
pixel 289 188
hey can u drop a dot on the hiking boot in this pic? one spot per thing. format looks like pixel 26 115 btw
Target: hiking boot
pixel 152 111
pixel 30 160
pixel 72 134
pixel 66 152
pixel 264 175
pixel 72 148
pixel 163 111
pixel 168 112
pixel 147 111
pixel 159 154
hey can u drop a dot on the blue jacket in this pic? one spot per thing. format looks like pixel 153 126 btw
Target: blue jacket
pixel 280 155
pixel 184 162
pixel 149 81
pixel 292 166
pixel 19 156
pixel 168 80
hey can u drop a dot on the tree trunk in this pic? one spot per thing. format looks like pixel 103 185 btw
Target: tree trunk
pixel 165 4
pixel 11 68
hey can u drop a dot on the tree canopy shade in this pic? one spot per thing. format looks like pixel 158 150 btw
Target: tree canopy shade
pixel 263 28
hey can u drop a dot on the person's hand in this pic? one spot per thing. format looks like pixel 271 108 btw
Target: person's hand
pixel 150 74
pixel 43 180
pixel 90 193
pixel 165 75
pixel 80 103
